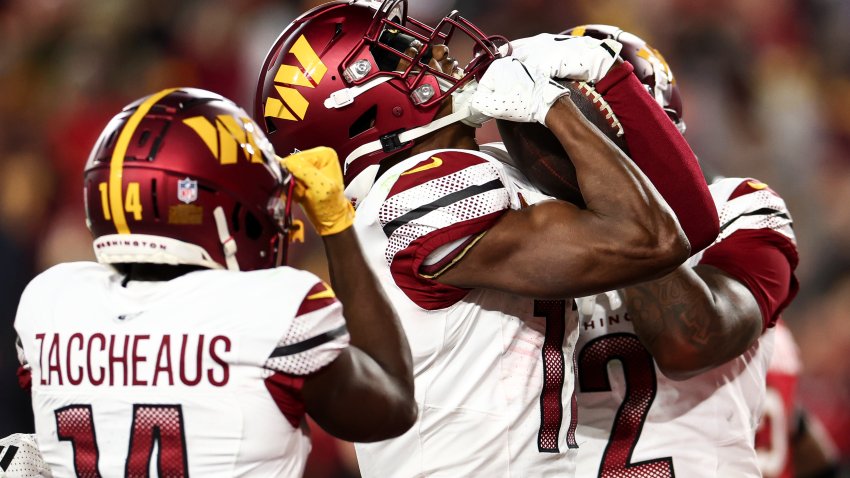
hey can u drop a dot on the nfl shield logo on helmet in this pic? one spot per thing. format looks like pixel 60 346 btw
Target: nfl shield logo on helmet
pixel 187 190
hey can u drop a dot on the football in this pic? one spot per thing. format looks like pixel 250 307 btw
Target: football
pixel 539 155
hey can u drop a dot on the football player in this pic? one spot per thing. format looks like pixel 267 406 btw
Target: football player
pixel 791 442
pixel 671 372
pixel 186 348
pixel 482 283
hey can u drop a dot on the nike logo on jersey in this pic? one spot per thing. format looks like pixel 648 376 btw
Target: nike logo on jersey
pixel 435 163
pixel 756 185
pixel 328 293
pixel 129 316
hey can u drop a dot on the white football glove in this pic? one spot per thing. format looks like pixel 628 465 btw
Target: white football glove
pixel 563 56
pixel 510 91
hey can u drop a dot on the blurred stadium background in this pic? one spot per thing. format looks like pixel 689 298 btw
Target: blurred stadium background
pixel 766 87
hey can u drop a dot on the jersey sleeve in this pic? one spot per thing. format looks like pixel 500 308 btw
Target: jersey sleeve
pixel 434 213
pixel 24 369
pixel 756 244
pixel 21 457
pixel 315 338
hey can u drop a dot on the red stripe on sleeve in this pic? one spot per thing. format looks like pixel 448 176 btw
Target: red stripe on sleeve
pixel 286 393
pixel 24 378
pixel 764 261
pixel 407 265
pixel 435 166
pixel 750 186
pixel 660 151
pixel 322 296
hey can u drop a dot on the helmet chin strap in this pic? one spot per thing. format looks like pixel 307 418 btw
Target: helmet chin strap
pixel 228 244
pixel 409 135
pixel 461 98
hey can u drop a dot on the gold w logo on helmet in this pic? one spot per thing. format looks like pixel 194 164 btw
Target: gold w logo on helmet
pixel 293 106
pixel 226 136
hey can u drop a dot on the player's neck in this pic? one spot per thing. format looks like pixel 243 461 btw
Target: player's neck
pixel 454 136
pixel 154 272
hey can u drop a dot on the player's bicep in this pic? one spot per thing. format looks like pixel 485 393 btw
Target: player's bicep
pixel 353 398
pixel 734 305
pixel 762 262
pixel 551 249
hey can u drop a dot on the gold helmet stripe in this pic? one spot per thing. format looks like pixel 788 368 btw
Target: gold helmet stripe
pixel 116 165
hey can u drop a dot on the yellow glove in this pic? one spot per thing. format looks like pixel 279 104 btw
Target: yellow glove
pixel 319 189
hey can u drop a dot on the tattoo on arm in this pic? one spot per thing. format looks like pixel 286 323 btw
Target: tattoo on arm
pixel 670 306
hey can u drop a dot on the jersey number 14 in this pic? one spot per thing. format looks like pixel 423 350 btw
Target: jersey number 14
pixel 151 423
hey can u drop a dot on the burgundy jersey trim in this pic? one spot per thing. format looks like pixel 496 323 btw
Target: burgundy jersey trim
pixel 434 270
pixel 763 260
pixel 319 297
pixel 435 166
pixel 24 378
pixel 750 185
pixel 285 390
pixel 406 266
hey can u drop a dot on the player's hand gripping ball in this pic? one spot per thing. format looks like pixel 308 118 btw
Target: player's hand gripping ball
pixel 539 155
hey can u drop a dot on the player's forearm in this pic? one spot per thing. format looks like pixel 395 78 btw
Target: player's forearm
pixel 661 152
pixel 371 320
pixel 616 190
pixel 687 323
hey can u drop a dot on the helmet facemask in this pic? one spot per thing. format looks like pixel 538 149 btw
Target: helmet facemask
pixel 376 92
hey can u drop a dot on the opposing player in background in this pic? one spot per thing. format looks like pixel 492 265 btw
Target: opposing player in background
pixel 790 442
pixel 482 281
pixel 186 337
pixel 671 372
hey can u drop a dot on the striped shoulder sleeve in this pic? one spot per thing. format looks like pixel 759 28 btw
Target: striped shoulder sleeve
pixel 315 338
pixel 433 213
pixel 746 203
pixel 756 243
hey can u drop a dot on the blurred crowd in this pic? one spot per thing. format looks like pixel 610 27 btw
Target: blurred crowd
pixel 766 87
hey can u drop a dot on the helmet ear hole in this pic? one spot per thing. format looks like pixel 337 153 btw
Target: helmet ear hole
pixel 234 217
pixel 365 122
pixel 253 228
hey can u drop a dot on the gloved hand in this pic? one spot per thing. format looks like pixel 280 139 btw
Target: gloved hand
pixel 510 91
pixel 563 56
pixel 319 189
pixel 462 101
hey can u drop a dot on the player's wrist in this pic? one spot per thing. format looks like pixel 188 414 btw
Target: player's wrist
pixel 548 96
pixel 618 72
pixel 340 220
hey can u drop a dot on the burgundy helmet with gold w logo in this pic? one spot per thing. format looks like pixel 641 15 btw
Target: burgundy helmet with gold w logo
pixel 184 176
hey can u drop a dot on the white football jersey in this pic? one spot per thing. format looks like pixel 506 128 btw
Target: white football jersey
pixel 493 371
pixel 636 423
pixel 199 375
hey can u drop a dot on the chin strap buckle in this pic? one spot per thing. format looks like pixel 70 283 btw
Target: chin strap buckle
pixel 392 142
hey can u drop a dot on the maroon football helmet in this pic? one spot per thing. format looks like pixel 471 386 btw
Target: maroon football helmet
pixel 332 78
pixel 650 67
pixel 184 176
